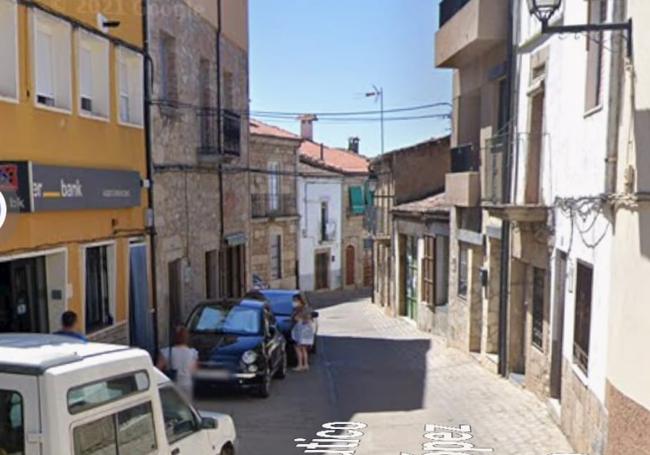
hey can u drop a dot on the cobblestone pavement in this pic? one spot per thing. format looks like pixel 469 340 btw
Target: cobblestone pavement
pixel 385 373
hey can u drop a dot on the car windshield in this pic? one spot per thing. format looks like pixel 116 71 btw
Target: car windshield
pixel 237 320
pixel 281 304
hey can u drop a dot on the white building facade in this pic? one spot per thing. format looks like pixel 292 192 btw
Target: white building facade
pixel 562 223
pixel 320 197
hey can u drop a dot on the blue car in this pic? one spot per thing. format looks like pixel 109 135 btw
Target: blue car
pixel 238 343
pixel 280 302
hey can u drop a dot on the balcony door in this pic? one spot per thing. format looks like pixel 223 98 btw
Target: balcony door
pixel 535 142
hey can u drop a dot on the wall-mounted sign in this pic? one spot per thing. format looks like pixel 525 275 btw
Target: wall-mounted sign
pixel 40 188
pixel 15 186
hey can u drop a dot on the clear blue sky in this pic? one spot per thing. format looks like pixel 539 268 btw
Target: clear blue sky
pixel 323 55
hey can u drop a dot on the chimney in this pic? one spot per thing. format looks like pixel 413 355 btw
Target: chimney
pixel 307 126
pixel 353 144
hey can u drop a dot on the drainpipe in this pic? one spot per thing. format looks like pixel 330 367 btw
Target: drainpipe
pixel 150 170
pixel 507 175
pixel 616 89
pixel 222 235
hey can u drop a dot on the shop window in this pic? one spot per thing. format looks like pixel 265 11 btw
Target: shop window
pixel 92 70
pixel 128 431
pixel 539 285
pixel 582 325
pixel 98 288
pixel 130 87
pixel 463 270
pixel 52 54
pixel 276 257
pixel 8 50
pixel 12 428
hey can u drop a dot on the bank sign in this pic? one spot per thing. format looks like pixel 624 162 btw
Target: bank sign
pixel 41 188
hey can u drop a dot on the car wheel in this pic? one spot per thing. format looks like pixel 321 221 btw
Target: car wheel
pixel 264 389
pixel 227 450
pixel 282 371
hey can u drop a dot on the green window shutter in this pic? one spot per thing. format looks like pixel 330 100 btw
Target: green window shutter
pixel 357 202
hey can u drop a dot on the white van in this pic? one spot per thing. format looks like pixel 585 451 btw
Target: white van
pixel 59 396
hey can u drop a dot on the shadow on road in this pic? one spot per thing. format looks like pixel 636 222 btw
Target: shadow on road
pixel 327 299
pixel 371 375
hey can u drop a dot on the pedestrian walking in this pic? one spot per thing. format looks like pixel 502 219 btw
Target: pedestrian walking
pixel 303 332
pixel 180 361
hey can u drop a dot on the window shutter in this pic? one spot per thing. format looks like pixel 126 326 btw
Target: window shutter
pixel 124 92
pixel 44 65
pixel 357 202
pixel 85 73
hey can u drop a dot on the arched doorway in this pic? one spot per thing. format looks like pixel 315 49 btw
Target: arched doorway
pixel 349 266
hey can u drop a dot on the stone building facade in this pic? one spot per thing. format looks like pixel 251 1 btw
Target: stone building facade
pixel 200 154
pixel 402 176
pixel 274 197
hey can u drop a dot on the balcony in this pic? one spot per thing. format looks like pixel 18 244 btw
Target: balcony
pixel 492 175
pixel 463 189
pixel 273 205
pixel 210 147
pixel 468 28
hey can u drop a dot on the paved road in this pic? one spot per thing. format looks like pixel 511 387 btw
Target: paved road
pixel 383 372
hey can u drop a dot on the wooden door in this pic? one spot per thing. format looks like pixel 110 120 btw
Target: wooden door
pixel 322 271
pixel 350 262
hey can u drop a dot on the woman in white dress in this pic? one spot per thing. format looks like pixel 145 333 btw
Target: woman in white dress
pixel 303 332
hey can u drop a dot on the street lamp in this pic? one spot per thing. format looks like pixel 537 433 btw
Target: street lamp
pixel 543 10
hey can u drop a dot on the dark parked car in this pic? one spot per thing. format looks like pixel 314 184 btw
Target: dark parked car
pixel 238 343
pixel 281 303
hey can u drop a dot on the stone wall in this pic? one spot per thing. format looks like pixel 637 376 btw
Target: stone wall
pixel 260 248
pixel 628 424
pixel 584 418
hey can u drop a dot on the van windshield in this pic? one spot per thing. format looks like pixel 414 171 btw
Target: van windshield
pixel 12 432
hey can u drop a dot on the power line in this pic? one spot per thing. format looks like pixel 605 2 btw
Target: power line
pixel 347 114
pixel 362 119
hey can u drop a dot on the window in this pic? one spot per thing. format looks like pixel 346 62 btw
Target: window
pixel 211 276
pixel 357 200
pixel 180 420
pixel 8 50
pixel 207 118
pixel 52 54
pixel 234 320
pixel 539 286
pixel 168 83
pixel 98 289
pixel 429 271
pixel 228 95
pixel 582 326
pixel 324 220
pixel 90 396
pixel 92 70
pixel 595 47
pixel 12 429
pixel 463 270
pixel 128 431
pixel 130 87
pixel 276 257
pixel 274 186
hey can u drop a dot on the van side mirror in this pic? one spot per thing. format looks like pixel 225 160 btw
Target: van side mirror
pixel 209 423
pixel 314 314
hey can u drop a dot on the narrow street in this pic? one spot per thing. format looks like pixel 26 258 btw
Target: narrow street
pixel 386 374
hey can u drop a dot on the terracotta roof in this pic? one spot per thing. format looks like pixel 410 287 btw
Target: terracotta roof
pixel 432 204
pixel 264 129
pixel 333 159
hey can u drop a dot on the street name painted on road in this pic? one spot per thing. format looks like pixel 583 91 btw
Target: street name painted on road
pixel 336 438
pixel 449 441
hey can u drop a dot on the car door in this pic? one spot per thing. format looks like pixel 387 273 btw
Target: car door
pixel 183 425
pixel 20 425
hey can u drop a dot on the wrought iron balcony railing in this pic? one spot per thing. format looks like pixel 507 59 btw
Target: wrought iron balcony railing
pixel 273 205
pixel 448 8
pixel 209 137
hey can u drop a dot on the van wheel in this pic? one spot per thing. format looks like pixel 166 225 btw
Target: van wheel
pixel 227 450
